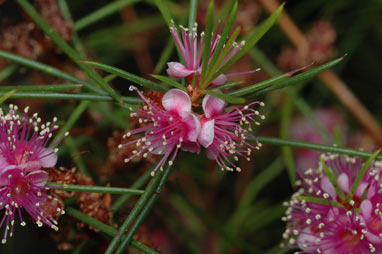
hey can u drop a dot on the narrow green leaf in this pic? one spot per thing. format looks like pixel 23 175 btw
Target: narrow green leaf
pixel 102 13
pixel 126 75
pixel 306 75
pixel 164 10
pixel 47 69
pixel 252 39
pixel 214 69
pixel 192 13
pixel 338 136
pixel 169 81
pixel 165 56
pixel 5 96
pixel 109 230
pixel 65 47
pixel 207 38
pixel 333 179
pixel 228 85
pixel 362 172
pixel 95 189
pixel 225 97
pixel 224 35
pixel 7 72
pixel 76 155
pixel 320 201
pixel 71 96
pixel 259 86
pixel 42 88
pixel 312 146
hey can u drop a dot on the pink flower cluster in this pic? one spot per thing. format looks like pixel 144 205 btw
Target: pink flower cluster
pixel 171 126
pixel 23 156
pixel 333 219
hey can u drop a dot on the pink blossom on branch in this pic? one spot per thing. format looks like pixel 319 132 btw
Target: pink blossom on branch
pixel 222 133
pixel 190 46
pixel 167 127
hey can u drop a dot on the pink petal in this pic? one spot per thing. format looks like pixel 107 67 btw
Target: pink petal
pixel 193 126
pixel 327 186
pixel 3 162
pixel 48 158
pixel 212 105
pixel 207 133
pixel 10 170
pixel 178 101
pixel 366 208
pixel 343 182
pixel 361 189
pixel 220 80
pixel 307 240
pixel 192 147
pixel 178 70
pixel 38 177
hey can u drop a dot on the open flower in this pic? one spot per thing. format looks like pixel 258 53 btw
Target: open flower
pixel 23 155
pixel 222 133
pixel 23 140
pixel 341 221
pixel 191 46
pixel 167 127
pixel 22 188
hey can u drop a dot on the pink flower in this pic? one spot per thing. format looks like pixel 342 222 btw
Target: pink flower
pixel 23 188
pixel 167 127
pixel 23 154
pixel 222 133
pixel 23 140
pixel 191 46
pixel 345 225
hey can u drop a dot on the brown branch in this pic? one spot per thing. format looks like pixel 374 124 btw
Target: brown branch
pixel 332 81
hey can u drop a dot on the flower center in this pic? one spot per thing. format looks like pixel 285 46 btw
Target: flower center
pixel 20 188
pixel 349 238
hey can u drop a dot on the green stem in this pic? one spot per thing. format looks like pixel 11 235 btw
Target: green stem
pixel 137 184
pixel 72 146
pixel 109 230
pixel 102 13
pixel 95 189
pixel 42 88
pixel 135 211
pixel 48 70
pixel 146 209
pixel 71 96
pixel 312 146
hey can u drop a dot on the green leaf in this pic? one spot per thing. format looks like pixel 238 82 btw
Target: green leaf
pixel 228 85
pixel 109 230
pixel 362 172
pixel 65 47
pixel 94 189
pixel 224 35
pixel 333 179
pixel 312 146
pixel 47 69
pixel 164 10
pixel 102 13
pixel 126 75
pixel 169 81
pixel 5 96
pixel 71 96
pixel 7 72
pixel 225 97
pixel 207 38
pixel 165 56
pixel 212 73
pixel 252 39
pixel 192 13
pixel 320 201
pixel 42 88
pixel 306 75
